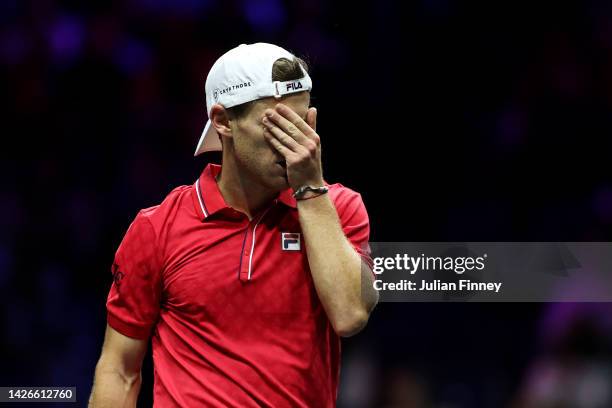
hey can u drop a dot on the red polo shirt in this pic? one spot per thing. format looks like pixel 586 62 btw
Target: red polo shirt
pixel 230 303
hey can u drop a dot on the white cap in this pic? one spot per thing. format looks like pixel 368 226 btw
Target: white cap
pixel 244 74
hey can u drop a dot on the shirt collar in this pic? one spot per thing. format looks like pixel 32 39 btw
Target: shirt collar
pixel 286 197
pixel 209 200
pixel 207 192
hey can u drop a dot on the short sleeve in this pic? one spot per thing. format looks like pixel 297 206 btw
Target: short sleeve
pixel 355 222
pixel 133 302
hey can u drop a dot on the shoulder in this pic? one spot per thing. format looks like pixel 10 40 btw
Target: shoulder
pixel 159 215
pixel 342 194
pixel 345 199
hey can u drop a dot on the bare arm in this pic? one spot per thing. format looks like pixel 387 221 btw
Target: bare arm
pixel 342 280
pixel 117 378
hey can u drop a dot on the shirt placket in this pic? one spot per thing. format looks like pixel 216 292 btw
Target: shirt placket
pixel 247 254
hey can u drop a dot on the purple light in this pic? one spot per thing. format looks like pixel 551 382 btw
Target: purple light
pixel 264 15
pixel 66 38
pixel 132 56
pixel 15 44
pixel 184 8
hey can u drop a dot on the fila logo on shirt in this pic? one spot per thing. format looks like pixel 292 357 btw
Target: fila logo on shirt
pixel 290 241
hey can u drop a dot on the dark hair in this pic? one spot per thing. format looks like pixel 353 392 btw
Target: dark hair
pixel 283 69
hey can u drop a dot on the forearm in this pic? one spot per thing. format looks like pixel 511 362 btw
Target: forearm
pixel 113 389
pixel 335 266
pixel 337 269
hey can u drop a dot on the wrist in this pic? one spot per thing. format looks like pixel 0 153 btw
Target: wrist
pixel 308 195
pixel 313 205
pixel 308 191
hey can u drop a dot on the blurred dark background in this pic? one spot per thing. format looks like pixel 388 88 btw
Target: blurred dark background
pixel 464 121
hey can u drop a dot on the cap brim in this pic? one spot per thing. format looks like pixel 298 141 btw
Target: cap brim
pixel 209 141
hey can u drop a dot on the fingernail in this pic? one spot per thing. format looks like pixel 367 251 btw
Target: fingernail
pixel 269 113
pixel 265 120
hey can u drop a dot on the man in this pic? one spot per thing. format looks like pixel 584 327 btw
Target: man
pixel 246 279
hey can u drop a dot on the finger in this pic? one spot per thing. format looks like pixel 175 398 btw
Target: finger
pixel 311 118
pixel 280 135
pixel 288 127
pixel 290 115
pixel 281 148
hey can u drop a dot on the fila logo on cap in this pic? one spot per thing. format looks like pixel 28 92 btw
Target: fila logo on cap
pixel 294 86
pixel 290 241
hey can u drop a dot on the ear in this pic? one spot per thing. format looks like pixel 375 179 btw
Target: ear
pixel 220 120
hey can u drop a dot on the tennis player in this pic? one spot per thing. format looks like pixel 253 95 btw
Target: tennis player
pixel 245 280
